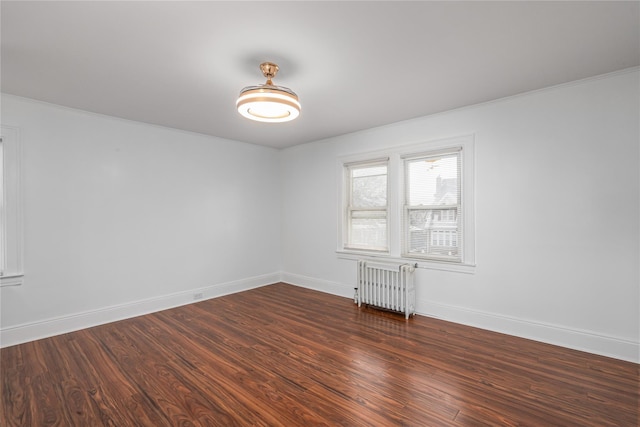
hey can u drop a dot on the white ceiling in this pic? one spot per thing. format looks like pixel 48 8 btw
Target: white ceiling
pixel 354 65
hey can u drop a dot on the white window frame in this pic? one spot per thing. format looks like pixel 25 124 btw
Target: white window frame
pixel 396 197
pixel 457 151
pixel 349 209
pixel 11 231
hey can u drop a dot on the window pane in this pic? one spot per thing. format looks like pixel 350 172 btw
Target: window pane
pixel 367 209
pixel 433 232
pixel 432 205
pixel 368 233
pixel 359 172
pixel 369 186
pixel 433 181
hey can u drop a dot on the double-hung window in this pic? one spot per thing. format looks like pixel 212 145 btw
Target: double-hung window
pixel 411 203
pixel 432 206
pixel 367 206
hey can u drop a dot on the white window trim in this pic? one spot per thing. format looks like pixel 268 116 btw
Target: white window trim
pixel 405 208
pixel 11 233
pixel 347 201
pixel 396 187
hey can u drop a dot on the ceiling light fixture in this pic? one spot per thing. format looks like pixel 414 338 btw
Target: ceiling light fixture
pixel 267 102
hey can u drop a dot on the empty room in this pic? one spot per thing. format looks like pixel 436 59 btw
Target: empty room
pixel 297 213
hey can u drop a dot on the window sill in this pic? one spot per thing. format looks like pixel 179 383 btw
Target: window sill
pixel 418 263
pixel 11 280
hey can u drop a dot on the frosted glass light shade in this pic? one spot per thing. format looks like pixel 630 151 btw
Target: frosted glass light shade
pixel 268 102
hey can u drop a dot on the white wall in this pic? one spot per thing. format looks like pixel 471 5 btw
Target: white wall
pixel 122 218
pixel 557 215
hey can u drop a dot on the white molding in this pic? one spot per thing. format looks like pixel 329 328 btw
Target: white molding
pixel 418 263
pixel 591 342
pixel 128 121
pixel 326 286
pixel 582 340
pixel 47 328
pixel 12 280
pixel 471 107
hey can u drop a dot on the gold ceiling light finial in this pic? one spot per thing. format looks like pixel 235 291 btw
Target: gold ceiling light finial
pixel 268 102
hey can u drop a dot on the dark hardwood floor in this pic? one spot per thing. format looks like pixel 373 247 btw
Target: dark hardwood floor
pixel 287 356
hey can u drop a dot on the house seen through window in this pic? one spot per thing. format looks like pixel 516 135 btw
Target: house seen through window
pixel 367 207
pixel 413 202
pixel 433 206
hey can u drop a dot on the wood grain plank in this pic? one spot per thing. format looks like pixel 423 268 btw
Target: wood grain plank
pixel 282 355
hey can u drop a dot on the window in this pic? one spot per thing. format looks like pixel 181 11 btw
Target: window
pixel 10 209
pixel 367 206
pixel 432 206
pixel 410 202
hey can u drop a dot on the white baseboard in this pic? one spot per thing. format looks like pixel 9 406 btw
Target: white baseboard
pixel 46 328
pixel 325 286
pixel 590 342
